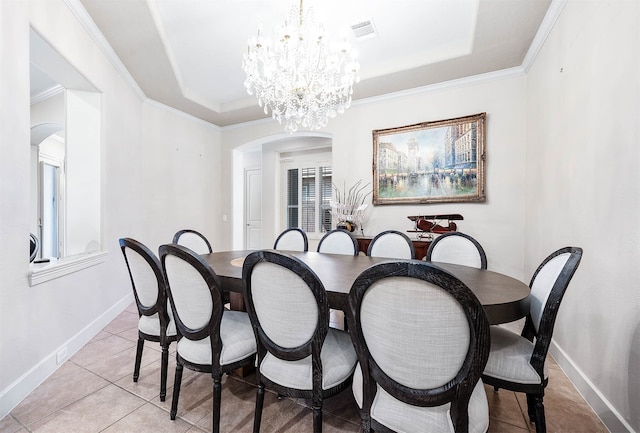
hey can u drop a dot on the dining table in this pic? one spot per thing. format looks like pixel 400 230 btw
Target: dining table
pixel 504 298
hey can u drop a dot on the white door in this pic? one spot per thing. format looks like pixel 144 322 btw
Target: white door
pixel 253 209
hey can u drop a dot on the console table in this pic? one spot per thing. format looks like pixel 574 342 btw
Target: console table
pixel 420 246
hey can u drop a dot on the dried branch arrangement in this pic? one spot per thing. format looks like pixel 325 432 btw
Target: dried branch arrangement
pixel 349 204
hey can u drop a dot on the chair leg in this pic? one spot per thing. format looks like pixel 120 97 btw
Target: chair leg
pixel 531 411
pixel 136 367
pixel 217 395
pixel 259 403
pixel 176 390
pixel 164 365
pixel 317 418
pixel 541 426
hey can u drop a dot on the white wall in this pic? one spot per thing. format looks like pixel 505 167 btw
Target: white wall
pixel 140 189
pixel 582 189
pixel 498 223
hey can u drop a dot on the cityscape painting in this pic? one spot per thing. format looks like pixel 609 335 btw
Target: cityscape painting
pixel 430 162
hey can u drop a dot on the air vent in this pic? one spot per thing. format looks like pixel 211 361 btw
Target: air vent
pixel 364 29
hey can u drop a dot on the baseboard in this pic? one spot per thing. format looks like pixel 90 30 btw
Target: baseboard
pixel 610 417
pixel 11 396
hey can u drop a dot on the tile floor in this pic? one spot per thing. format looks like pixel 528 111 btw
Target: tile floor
pixel 94 392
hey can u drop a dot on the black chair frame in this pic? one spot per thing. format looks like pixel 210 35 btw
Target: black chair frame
pixel 312 347
pixel 34 246
pixel 212 330
pixel 458 391
pixel 396 232
pixel 159 307
pixel 176 237
pixel 290 229
pixel 542 338
pixel 483 255
pixel 353 239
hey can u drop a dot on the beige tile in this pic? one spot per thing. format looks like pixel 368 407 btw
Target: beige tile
pixel 57 392
pixel 9 424
pixel 123 322
pixel 148 418
pixel 196 393
pixel 74 399
pixel 91 414
pixel 100 335
pixel 504 406
pixel 120 365
pixel 129 334
pixel 497 426
pixel 95 351
pixel 565 409
pixel 148 384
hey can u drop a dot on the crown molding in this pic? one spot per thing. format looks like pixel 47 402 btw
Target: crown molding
pixel 548 22
pixel 94 32
pixel 47 93
pixel 179 113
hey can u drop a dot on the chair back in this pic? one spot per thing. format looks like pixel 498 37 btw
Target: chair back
pixel 193 240
pixel 147 281
pixel 195 294
pixel 457 248
pixel 421 336
pixel 548 286
pixel 287 305
pixel 338 241
pixel 292 239
pixel 392 244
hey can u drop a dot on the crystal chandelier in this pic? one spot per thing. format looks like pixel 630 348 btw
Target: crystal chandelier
pixel 302 77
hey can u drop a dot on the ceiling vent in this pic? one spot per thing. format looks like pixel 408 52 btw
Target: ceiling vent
pixel 364 29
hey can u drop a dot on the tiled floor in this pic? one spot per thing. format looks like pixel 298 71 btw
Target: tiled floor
pixel 94 392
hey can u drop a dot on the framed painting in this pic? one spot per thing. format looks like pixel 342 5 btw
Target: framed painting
pixel 430 162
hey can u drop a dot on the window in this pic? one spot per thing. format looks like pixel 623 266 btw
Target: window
pixel 308 192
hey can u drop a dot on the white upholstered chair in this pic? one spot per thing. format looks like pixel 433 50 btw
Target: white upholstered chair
pixel 422 340
pixel 292 239
pixel 210 339
pixel 338 241
pixel 298 354
pixel 149 291
pixel 193 240
pixel 457 248
pixel 392 244
pixel 517 361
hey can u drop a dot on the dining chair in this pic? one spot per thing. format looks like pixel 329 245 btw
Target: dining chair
pixel 457 248
pixel 193 240
pixel 338 241
pixel 392 244
pixel 34 246
pixel 210 339
pixel 422 340
pixel 298 354
pixel 292 239
pixel 154 316
pixel 517 361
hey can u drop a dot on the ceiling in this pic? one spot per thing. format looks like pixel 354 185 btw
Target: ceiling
pixel 187 54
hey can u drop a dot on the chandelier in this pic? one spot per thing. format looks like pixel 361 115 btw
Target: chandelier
pixel 301 77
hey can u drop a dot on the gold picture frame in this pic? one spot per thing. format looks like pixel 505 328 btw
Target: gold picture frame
pixel 430 162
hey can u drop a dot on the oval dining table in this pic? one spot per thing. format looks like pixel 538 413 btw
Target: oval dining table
pixel 504 298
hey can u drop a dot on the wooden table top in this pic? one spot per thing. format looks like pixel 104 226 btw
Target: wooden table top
pixel 504 298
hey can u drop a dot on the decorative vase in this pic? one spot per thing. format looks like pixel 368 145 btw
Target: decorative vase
pixel 346 225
